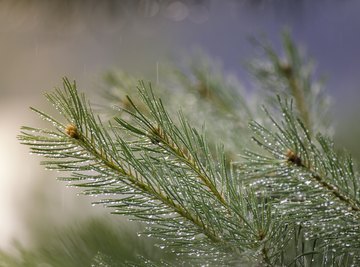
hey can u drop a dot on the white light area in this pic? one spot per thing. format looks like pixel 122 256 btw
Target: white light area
pixel 28 193
pixel 15 171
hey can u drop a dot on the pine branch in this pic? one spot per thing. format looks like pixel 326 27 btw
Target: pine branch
pixel 162 174
pixel 292 75
pixel 305 178
pixel 206 93
pixel 293 201
pixel 90 136
pixel 207 79
pixel 179 145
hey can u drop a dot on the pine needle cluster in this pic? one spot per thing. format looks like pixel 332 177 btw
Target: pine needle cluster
pixel 251 187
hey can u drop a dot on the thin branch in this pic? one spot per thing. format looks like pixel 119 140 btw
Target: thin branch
pixel 297 92
pixel 296 160
pixel 134 179
pixel 182 153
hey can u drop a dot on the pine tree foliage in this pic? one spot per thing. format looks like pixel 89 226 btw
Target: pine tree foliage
pixel 291 201
pixel 93 242
pixel 203 89
pixel 292 74
pixel 164 175
pixel 308 182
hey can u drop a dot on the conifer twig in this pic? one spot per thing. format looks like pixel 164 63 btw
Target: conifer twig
pixel 292 201
pixel 164 174
pixel 307 180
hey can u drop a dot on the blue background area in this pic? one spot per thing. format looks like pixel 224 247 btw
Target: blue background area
pixel 328 30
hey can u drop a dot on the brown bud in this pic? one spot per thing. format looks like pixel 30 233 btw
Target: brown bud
pixel 293 158
pixel 286 69
pixel 72 131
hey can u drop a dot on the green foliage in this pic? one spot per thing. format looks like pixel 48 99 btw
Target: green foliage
pixel 87 243
pixel 307 180
pixel 293 75
pixel 202 91
pixel 292 199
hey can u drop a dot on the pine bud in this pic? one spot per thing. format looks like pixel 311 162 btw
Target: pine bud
pixel 72 131
pixel 286 69
pixel 293 158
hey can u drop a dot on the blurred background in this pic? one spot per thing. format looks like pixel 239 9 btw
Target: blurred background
pixel 42 41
